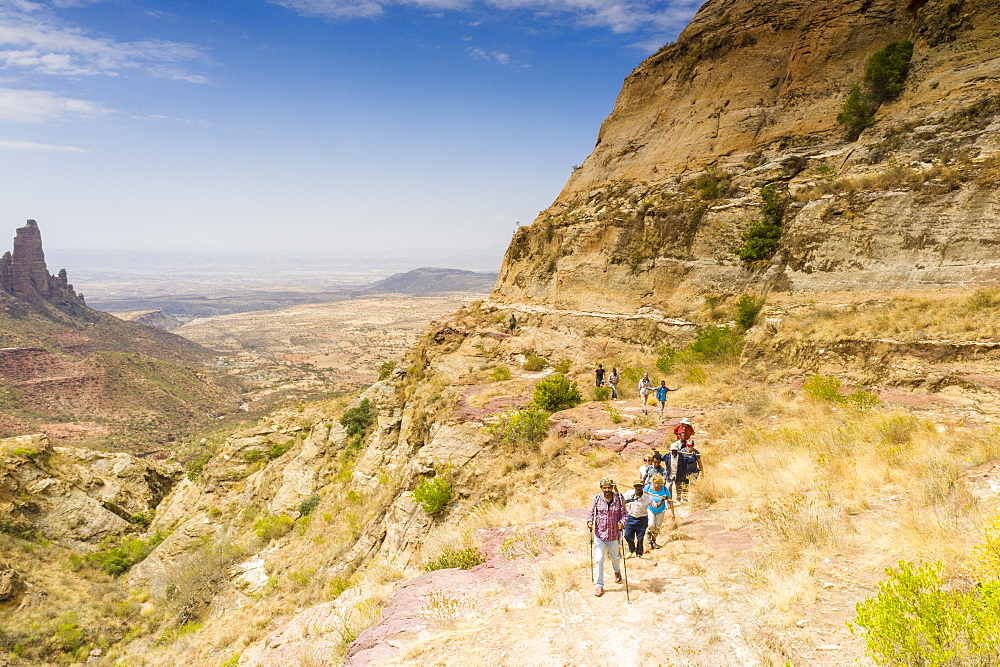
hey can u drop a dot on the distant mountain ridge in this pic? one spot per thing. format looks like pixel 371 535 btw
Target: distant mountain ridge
pixel 428 281
pixel 425 281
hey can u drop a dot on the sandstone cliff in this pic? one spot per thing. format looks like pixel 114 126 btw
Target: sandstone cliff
pixel 748 96
pixel 24 275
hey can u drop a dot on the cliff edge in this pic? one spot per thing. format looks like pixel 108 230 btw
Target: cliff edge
pixel 748 97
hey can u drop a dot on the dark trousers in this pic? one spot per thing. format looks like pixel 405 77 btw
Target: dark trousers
pixel 635 530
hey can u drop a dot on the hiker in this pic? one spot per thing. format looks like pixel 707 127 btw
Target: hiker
pixel 645 389
pixel 661 396
pixel 637 503
pixel 613 380
pixel 694 459
pixel 659 501
pixel 599 375
pixel 651 466
pixel 683 430
pixel 677 471
pixel 607 520
pixel 512 322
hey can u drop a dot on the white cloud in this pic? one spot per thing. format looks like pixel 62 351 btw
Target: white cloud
pixel 14 145
pixel 498 57
pixel 32 41
pixel 37 106
pixel 619 16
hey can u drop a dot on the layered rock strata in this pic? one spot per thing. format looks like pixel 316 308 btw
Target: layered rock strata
pixel 748 96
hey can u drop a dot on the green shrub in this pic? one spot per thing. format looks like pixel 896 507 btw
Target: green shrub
pixel 557 393
pixel 915 621
pixel 521 427
pixel 433 494
pixel 602 393
pixel 307 506
pixel 823 388
pixel 666 361
pixel 534 363
pixel 499 374
pixel 385 370
pixel 885 74
pixel 717 345
pixel 117 560
pixel 358 420
pixel 614 414
pixel 562 367
pixel 196 464
pixel 760 241
pixel 272 527
pixel 460 558
pixel 748 307
pixel 277 449
pixel 862 400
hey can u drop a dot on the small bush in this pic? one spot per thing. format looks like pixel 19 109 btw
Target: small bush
pixel 358 420
pixel 499 374
pixel 521 427
pixel 534 363
pixel 717 345
pixel 760 241
pixel 614 414
pixel 748 307
pixel 307 506
pixel 433 494
pixel 272 527
pixel 915 621
pixel 460 558
pixel 117 560
pixel 557 393
pixel 666 362
pixel 277 449
pixel 562 367
pixel 602 393
pixel 385 370
pixel 823 388
pixel 195 465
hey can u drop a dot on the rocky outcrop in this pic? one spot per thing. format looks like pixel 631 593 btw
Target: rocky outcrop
pixel 748 96
pixel 75 496
pixel 151 318
pixel 23 273
pixel 11 583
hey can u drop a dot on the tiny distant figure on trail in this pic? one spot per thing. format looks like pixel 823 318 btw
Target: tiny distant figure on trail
pixel 694 460
pixel 645 389
pixel 607 521
pixel 599 376
pixel 659 501
pixel 637 502
pixel 512 322
pixel 676 464
pixel 613 380
pixel 683 430
pixel 651 467
pixel 661 396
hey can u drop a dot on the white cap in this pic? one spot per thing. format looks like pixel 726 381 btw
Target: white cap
pixel 685 420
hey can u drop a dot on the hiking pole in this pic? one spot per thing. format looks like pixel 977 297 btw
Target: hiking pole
pixel 624 571
pixel 591 533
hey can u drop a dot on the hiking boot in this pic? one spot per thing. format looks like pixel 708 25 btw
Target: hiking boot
pixel 618 577
pixel 599 591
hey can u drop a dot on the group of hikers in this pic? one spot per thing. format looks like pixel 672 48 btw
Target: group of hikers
pixel 645 387
pixel 637 515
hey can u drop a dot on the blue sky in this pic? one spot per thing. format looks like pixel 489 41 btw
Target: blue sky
pixel 305 125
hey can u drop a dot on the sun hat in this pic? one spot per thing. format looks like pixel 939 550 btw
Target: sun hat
pixel 675 447
pixel 607 481
pixel 685 420
pixel 638 482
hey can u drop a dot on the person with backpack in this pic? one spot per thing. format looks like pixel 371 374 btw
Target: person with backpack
pixel 676 464
pixel 651 465
pixel 694 459
pixel 661 396
pixel 607 521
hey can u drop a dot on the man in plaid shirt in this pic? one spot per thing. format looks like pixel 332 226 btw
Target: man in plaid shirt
pixel 607 520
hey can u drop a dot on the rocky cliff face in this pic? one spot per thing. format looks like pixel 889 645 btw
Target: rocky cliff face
pixel 748 96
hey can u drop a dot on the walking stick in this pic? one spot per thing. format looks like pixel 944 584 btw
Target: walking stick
pixel 624 570
pixel 591 533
